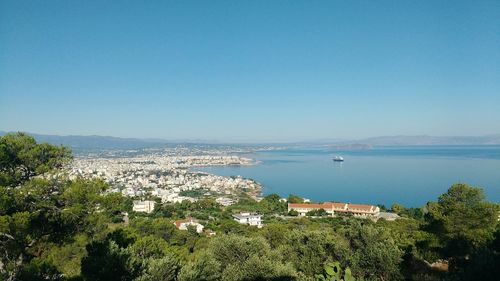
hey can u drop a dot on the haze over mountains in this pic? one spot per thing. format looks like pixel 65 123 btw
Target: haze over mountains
pixel 433 140
pixel 108 142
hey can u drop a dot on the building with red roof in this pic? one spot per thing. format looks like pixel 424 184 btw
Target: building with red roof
pixel 357 210
pixel 183 224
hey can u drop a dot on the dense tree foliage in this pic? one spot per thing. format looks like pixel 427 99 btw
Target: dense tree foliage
pixel 295 199
pixel 54 228
pixel 21 158
pixel 462 219
pixel 41 214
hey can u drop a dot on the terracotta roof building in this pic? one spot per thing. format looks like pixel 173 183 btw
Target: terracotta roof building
pixel 331 208
pixel 304 208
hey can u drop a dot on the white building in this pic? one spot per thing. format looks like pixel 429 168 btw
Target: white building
pixel 303 208
pixel 144 206
pixel 183 225
pixel 249 219
pixel 224 201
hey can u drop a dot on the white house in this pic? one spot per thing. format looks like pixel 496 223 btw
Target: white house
pixel 249 219
pixel 144 206
pixel 224 201
pixel 183 225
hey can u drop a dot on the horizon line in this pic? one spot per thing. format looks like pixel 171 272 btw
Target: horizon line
pixel 218 141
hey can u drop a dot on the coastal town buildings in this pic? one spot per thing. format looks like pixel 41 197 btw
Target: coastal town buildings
pixel 251 219
pixel 166 175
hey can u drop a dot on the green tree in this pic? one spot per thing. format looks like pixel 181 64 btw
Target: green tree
pixel 295 199
pixel 317 213
pixel 375 254
pixel 308 249
pixel 148 247
pixel 159 227
pixel 162 269
pixel 21 158
pixel 204 268
pixel 271 204
pixel 259 268
pixel 462 219
pixel 45 211
pixel 66 257
pixel 115 204
pixel 398 208
pixel 482 265
pixel 106 261
pixel 235 258
pixel 40 213
pixel 275 234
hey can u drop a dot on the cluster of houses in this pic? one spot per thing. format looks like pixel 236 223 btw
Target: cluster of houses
pixel 254 219
pixel 162 175
pixel 335 208
pixel 242 218
pixel 148 206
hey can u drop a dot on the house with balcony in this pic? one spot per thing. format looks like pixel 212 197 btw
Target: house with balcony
pixel 252 219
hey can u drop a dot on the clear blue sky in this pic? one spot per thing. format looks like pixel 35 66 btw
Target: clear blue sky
pixel 250 70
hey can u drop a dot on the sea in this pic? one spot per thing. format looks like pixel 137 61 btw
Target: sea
pixel 408 175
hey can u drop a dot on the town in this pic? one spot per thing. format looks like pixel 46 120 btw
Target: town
pixel 169 175
pixel 166 176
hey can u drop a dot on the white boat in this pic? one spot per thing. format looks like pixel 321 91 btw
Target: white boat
pixel 338 159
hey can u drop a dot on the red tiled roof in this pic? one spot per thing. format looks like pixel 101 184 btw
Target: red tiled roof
pixel 339 205
pixel 360 207
pixel 179 222
pixel 326 205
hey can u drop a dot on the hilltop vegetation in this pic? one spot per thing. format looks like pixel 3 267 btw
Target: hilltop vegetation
pixel 53 228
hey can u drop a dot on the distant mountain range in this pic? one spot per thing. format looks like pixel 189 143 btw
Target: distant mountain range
pixel 432 140
pixel 107 142
pixel 97 142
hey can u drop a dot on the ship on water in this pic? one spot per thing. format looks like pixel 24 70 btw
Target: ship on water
pixel 338 159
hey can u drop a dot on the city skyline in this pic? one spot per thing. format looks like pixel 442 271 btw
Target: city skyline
pixel 250 72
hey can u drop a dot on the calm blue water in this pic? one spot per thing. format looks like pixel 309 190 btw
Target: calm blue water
pixel 408 175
